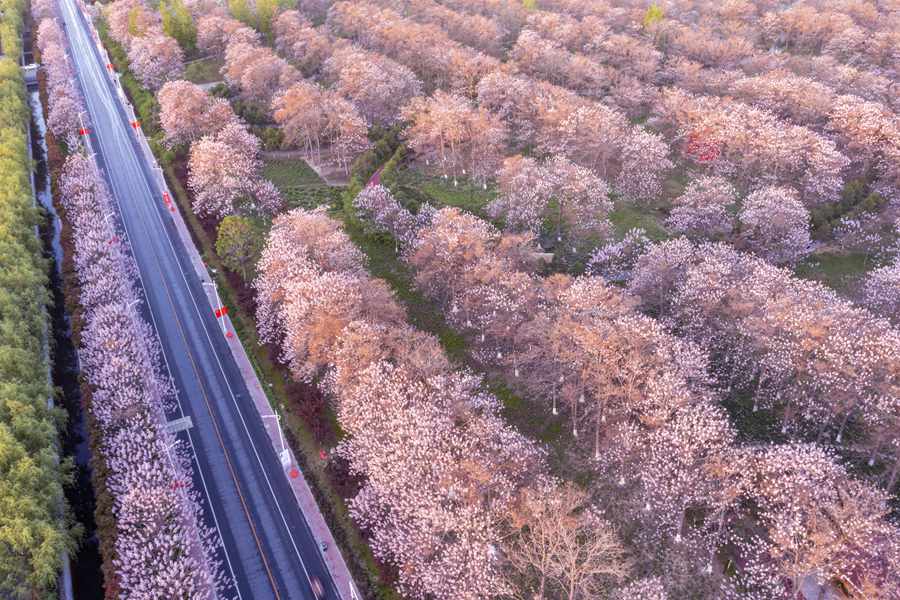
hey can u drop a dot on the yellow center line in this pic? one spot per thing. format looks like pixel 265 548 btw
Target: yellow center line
pixel 219 437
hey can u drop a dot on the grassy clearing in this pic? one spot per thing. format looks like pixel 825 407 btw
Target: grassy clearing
pixel 204 70
pixel 466 194
pixel 675 184
pixel 752 426
pixel 440 192
pixel 839 271
pixel 628 215
pixel 290 173
pixel 299 184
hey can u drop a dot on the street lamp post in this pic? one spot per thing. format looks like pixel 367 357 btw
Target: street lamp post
pixel 285 455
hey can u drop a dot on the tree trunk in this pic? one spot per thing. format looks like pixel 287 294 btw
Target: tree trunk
pixel 559 216
pixel 844 422
pixel 894 471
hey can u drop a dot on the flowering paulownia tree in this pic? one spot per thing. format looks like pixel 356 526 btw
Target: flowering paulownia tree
pixel 257 72
pixel 548 60
pixel 312 116
pixel 645 161
pixel 515 100
pixel 156 59
pixel 524 194
pixel 376 85
pixel 300 42
pixel 821 526
pixel 589 134
pixel 153 56
pixel 648 588
pixel 775 225
pixel 129 19
pixel 701 211
pixel 615 261
pixel 187 112
pixel 224 174
pixel 376 204
pixel 454 464
pixel 215 33
pixel 44 10
pixel 162 547
pixel 881 291
pixel 545 336
pixel 571 197
pixel 453 137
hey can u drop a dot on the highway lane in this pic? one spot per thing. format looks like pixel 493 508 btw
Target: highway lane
pixel 268 545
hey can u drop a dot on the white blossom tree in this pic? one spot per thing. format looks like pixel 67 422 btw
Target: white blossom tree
pixel 881 291
pixel 775 225
pixel 224 172
pixel 701 211
pixel 645 161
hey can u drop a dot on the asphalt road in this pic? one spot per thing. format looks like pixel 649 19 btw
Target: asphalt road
pixel 268 546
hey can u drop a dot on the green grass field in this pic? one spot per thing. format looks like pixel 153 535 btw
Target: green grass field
pixel 628 215
pixel 204 70
pixel 299 184
pixel 440 192
pixel 837 271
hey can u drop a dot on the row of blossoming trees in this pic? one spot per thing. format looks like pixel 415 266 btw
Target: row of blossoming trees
pixel 153 56
pixel 514 109
pixel 160 546
pixel 451 496
pixel 596 52
pixel 310 116
pixel 780 133
pixel 224 166
pixel 719 137
pixel 643 405
pixel 66 110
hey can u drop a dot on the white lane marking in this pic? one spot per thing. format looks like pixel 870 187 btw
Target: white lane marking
pixel 88 100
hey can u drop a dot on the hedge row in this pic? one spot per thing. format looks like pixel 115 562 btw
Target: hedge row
pixel 33 533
